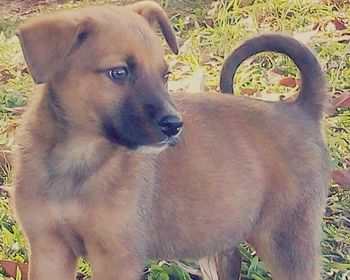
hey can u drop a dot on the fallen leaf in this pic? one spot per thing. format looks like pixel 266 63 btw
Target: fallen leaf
pixel 22 67
pixel 11 128
pixel 288 82
pixel 10 268
pixel 248 91
pixel 342 100
pixel 342 178
pixel 278 71
pixel 339 24
pixel 209 22
pixel 5 75
pixel 15 110
pixel 208 268
pixel 316 26
pixel 80 276
pixel 189 268
pixel 245 3
pixel 327 2
pixel 4 191
pixel 275 75
pixel 6 158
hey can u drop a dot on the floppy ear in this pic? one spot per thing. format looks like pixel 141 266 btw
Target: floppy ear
pixel 152 12
pixel 48 40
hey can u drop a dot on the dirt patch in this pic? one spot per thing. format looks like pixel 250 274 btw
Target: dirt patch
pixel 25 7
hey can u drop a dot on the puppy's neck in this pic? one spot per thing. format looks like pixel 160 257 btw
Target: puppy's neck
pixel 56 111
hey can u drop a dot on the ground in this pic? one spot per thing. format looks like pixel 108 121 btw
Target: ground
pixel 208 31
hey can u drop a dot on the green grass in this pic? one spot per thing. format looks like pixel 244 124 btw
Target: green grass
pixel 210 33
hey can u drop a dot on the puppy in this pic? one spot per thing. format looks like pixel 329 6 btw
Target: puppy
pixel 110 167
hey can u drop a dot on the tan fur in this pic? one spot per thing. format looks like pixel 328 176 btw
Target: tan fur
pixel 242 169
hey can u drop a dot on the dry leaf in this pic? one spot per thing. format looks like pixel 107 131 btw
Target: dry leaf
pixel 209 22
pixel 316 27
pixel 326 2
pixel 342 178
pixel 278 71
pixel 248 91
pixel 245 3
pixel 208 268
pixel 189 268
pixel 5 158
pixel 15 110
pixel 5 75
pixel 10 268
pixel 339 24
pixel 80 276
pixel 341 101
pixel 288 82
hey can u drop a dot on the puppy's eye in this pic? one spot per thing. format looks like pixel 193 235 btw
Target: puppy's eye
pixel 166 75
pixel 118 73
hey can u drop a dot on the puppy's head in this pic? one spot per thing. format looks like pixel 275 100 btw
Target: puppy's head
pixel 105 72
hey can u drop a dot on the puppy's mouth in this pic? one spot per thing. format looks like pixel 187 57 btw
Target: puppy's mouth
pixel 172 140
pixel 168 141
pixel 160 146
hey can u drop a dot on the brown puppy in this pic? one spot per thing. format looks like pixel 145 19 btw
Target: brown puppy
pixel 240 169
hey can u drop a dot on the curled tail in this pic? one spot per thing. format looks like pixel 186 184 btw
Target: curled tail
pixel 311 95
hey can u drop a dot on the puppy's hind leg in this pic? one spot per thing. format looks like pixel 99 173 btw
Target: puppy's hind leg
pixel 229 265
pixel 291 247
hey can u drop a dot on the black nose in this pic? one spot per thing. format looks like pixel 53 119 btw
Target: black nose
pixel 170 125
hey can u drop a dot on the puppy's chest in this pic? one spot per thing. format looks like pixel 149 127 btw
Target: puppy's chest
pixel 75 170
pixel 77 158
pixel 68 212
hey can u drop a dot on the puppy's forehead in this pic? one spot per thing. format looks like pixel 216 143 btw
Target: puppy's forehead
pixel 120 33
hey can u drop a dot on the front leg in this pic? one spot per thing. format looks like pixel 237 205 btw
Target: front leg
pixel 50 258
pixel 115 263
